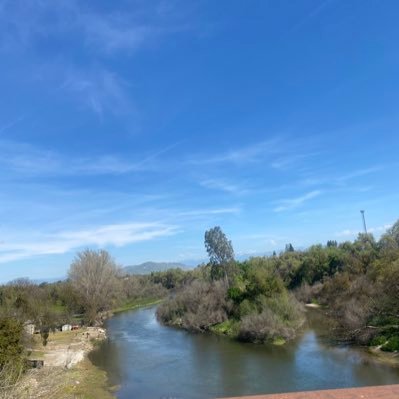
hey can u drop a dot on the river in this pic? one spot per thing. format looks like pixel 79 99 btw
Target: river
pixel 150 361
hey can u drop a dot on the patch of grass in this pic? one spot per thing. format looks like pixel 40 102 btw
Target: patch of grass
pixel 378 340
pixel 279 341
pixel 138 303
pixel 58 308
pixel 77 319
pixel 88 382
pixel 392 345
pixel 228 327
pixel 36 355
pixel 85 381
pixel 385 321
pixel 62 337
pixel 59 337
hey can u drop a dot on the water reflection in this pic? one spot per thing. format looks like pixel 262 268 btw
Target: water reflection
pixel 107 357
pixel 151 361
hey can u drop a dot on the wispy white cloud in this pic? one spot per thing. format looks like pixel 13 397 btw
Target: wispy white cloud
pixel 311 15
pixel 360 173
pixel 115 33
pixel 11 124
pixel 99 90
pixel 117 235
pixel 88 36
pixel 292 203
pixel 29 160
pixel 210 211
pixel 218 184
pixel 280 152
pixel 347 233
pixel 130 29
pixel 291 160
pixel 248 154
pixel 350 233
pixel 107 31
pixel 342 179
pixel 20 157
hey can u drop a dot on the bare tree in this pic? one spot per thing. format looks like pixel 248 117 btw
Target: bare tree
pixel 94 276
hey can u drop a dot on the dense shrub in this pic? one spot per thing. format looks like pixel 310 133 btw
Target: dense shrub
pixel 280 317
pixel 378 340
pixel 197 307
pixel 257 301
pixel 261 279
pixel 259 327
pixel 307 293
pixel 11 351
pixel 135 287
pixel 245 308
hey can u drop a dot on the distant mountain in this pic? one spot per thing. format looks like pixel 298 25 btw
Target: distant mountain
pixel 148 267
pixel 48 280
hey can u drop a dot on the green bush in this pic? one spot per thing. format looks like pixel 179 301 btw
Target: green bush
pixel 245 308
pixel 378 340
pixel 12 360
pixel 228 327
pixel 384 320
pixel 235 294
pixel 392 345
pixel 11 348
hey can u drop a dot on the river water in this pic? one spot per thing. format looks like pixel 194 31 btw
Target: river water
pixel 151 361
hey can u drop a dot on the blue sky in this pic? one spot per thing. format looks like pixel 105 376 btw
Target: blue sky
pixel 136 125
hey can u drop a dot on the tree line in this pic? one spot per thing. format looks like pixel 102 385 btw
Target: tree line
pixel 258 300
pixel 95 286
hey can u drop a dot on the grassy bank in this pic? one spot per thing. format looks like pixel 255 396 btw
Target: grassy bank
pixel 138 303
pixel 93 382
pixel 84 381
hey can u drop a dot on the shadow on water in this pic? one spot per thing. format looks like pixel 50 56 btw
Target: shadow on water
pixel 107 357
pixel 149 361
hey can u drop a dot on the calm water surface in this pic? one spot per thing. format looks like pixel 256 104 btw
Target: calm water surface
pixel 150 361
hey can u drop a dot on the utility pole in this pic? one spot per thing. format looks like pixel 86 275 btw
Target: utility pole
pixel 364 222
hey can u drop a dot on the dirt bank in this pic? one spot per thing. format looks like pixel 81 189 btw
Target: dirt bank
pixel 66 349
pixel 67 371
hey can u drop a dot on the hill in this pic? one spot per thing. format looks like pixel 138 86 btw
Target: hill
pixel 148 267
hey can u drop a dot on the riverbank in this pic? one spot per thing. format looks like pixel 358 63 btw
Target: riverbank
pixel 229 330
pixel 84 380
pixel 386 358
pixel 68 372
pixel 373 354
pixel 136 305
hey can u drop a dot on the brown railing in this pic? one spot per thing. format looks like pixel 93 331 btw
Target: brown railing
pixel 380 392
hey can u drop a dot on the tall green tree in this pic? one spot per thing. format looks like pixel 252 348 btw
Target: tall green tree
pixel 289 248
pixel 11 351
pixel 220 252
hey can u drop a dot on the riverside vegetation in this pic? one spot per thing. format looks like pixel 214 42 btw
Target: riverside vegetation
pixel 258 300
pixel 262 299
pixel 95 288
